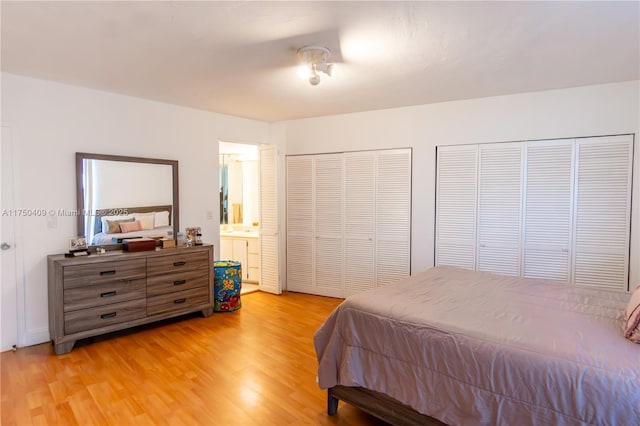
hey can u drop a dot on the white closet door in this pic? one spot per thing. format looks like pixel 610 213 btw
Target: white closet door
pixel 603 208
pixel 499 208
pixel 300 224
pixel 269 254
pixel 548 210
pixel 359 221
pixel 456 196
pixel 393 216
pixel 328 225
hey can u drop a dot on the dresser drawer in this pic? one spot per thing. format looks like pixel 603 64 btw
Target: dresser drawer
pixel 92 318
pixel 187 261
pixel 178 301
pixel 178 281
pixel 103 294
pixel 103 272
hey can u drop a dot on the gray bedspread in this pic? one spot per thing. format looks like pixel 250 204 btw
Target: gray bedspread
pixel 472 348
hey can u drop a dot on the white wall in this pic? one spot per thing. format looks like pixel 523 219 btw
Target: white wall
pixel 51 122
pixel 585 111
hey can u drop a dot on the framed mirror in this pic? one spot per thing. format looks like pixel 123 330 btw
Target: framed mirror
pixel 122 197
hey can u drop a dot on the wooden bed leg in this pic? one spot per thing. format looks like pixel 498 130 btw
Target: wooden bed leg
pixel 332 403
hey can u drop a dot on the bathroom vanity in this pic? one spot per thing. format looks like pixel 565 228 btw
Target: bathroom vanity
pixel 244 247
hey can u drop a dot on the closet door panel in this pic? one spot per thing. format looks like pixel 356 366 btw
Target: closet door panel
pixel 359 221
pixel 603 208
pixel 393 215
pixel 299 263
pixel 348 221
pixel 456 194
pixel 499 208
pixel 548 210
pixel 328 225
pixel 269 278
pixel 300 224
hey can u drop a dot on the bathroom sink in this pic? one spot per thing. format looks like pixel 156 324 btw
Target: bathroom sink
pixel 245 234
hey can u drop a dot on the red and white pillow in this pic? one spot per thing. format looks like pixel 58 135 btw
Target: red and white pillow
pixel 632 316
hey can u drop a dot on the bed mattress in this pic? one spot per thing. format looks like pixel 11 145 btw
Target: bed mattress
pixel 471 348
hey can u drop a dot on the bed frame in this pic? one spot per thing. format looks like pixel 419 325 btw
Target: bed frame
pixel 378 405
pixel 97 228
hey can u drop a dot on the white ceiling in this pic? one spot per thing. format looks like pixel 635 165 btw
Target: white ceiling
pixel 239 58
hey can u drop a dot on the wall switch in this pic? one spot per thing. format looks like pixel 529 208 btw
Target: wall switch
pixel 52 221
pixel 209 215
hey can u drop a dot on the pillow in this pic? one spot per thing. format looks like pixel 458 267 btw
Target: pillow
pixel 632 315
pixel 105 225
pixel 161 219
pixel 113 226
pixel 130 226
pixel 146 219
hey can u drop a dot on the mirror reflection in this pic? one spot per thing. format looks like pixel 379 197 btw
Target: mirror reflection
pixel 125 197
pixel 238 177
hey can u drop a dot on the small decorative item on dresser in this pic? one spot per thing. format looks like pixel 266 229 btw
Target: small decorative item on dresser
pixel 168 243
pixel 138 244
pixel 194 235
pixel 77 247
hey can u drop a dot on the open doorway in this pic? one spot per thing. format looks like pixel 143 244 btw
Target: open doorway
pixel 240 210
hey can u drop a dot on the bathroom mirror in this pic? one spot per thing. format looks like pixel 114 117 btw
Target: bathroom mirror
pixel 239 183
pixel 121 187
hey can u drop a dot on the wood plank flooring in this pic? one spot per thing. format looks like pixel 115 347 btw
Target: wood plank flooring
pixel 255 366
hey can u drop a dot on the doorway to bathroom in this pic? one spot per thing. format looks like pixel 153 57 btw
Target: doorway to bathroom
pixel 239 177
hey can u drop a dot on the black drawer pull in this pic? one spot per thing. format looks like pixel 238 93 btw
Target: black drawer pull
pixel 179 282
pixel 109 315
pixel 108 294
pixel 178 301
pixel 103 273
pixel 181 263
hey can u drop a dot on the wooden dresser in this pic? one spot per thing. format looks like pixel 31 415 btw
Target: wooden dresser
pixel 99 294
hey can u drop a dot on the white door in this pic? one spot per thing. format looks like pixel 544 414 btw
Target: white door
pixel 548 210
pixel 9 313
pixel 240 249
pixel 456 205
pixel 603 211
pixel 328 207
pixel 359 221
pixel 269 239
pixel 499 208
pixel 226 249
pixel 299 224
pixel 393 215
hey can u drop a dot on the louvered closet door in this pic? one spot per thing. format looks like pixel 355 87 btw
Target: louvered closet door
pixel 499 208
pixel 603 208
pixel 548 209
pixel 456 181
pixel 328 210
pixel 269 260
pixel 359 221
pixel 300 224
pixel 393 216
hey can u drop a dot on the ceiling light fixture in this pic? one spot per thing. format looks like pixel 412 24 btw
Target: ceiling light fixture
pixel 314 60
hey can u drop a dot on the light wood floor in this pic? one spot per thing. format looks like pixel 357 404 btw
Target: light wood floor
pixel 255 366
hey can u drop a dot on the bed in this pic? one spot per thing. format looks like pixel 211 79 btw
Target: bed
pixel 115 224
pixel 467 348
